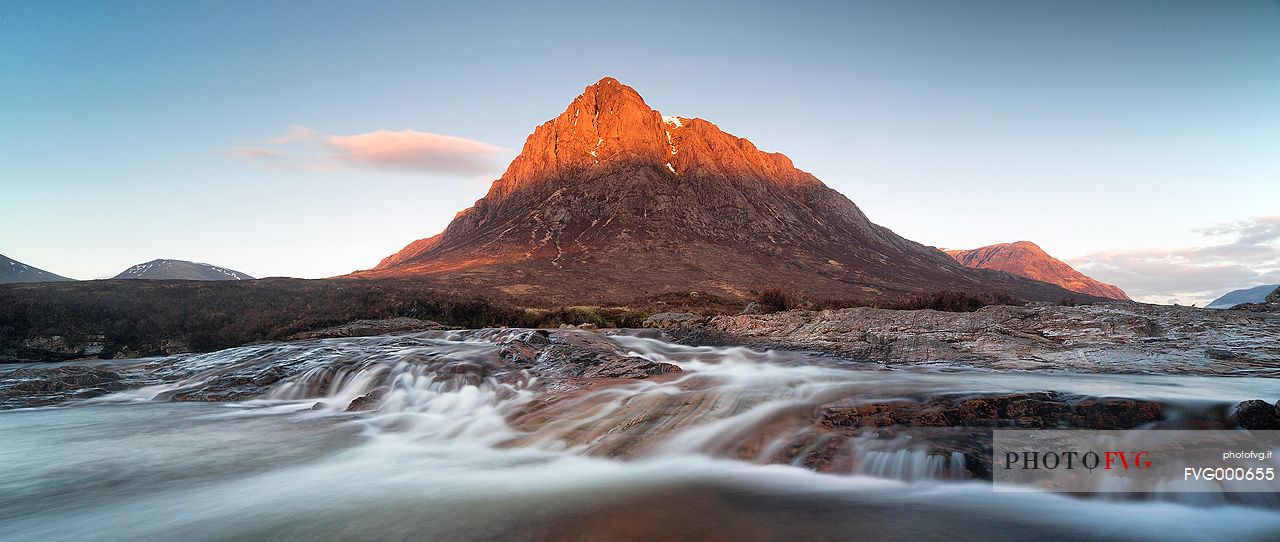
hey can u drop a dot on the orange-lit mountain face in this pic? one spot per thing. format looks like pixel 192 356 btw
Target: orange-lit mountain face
pixel 612 201
pixel 1027 259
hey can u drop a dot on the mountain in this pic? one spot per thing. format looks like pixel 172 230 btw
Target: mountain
pixel 1257 294
pixel 180 270
pixel 15 271
pixel 611 201
pixel 1026 259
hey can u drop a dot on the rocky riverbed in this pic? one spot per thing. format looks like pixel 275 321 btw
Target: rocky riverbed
pixel 1099 338
pixel 402 435
pixel 970 373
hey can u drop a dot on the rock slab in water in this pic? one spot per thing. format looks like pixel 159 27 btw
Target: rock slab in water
pixel 1257 415
pixel 35 386
pixel 577 355
pixel 365 328
pixel 1036 410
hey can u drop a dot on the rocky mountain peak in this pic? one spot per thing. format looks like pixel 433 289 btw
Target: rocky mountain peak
pixel 610 126
pixel 1027 259
pixel 612 200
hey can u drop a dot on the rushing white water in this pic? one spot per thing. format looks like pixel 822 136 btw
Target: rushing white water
pixel 448 442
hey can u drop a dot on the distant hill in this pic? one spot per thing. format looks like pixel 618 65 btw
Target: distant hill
pixel 15 271
pixel 1026 259
pixel 180 270
pixel 1248 295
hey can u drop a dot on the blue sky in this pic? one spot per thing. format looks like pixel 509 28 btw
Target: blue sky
pixel 1138 140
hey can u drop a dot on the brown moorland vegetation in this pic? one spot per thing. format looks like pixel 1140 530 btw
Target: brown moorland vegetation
pixel 49 321
pixel 116 318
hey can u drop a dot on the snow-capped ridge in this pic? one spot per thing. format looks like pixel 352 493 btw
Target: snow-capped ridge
pixel 20 272
pixel 162 269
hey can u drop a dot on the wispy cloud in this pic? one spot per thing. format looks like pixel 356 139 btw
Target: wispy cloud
pixel 416 151
pixel 1248 255
pixel 296 134
pixel 276 159
pixel 304 149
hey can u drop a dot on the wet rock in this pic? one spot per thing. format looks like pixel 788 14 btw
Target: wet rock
pixel 66 378
pixel 519 352
pixel 57 347
pixel 523 348
pixel 89 393
pixel 1218 353
pixel 368 401
pixel 365 328
pixel 32 386
pixel 215 394
pixel 564 360
pixel 665 320
pixel 1257 415
pixel 126 353
pixel 248 382
pixel 537 337
pixel 575 354
pixel 1037 410
pixel 1104 337
pixel 1112 413
pixel 665 368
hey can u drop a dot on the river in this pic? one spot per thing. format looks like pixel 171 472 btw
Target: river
pixel 455 447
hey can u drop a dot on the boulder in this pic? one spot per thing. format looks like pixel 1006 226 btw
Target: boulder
pixel 1257 415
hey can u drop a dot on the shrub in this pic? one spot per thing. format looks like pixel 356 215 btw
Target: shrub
pixel 835 304
pixel 954 301
pixel 572 316
pixel 772 300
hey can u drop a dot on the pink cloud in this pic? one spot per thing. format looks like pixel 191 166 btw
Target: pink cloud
pixel 1250 256
pixel 416 151
pixel 305 149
